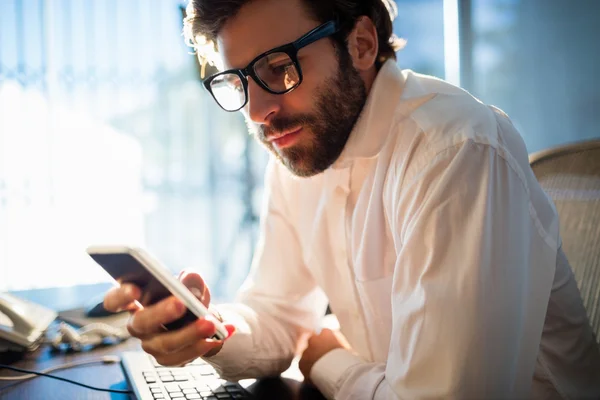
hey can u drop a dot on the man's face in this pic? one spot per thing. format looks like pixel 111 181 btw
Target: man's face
pixel 307 128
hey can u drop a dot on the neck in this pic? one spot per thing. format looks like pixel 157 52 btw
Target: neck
pixel 368 77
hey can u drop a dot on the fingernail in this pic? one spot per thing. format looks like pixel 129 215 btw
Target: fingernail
pixel 230 330
pixel 196 292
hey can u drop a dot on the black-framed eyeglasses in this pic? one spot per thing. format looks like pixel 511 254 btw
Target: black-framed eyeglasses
pixel 277 71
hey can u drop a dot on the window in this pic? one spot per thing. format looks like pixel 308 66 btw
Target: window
pixel 539 62
pixel 421 24
pixel 106 136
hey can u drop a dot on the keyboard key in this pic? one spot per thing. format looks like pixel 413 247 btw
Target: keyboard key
pixel 196 381
pixel 172 387
pixel 188 385
pixel 214 385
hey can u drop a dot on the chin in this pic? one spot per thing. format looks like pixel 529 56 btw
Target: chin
pixel 302 159
pixel 300 168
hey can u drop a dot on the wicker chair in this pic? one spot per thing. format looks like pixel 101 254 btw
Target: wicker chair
pixel 571 176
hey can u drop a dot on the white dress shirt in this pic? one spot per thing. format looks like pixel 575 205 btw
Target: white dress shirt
pixel 438 252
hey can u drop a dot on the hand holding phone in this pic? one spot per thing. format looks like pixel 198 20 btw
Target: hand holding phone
pixel 133 265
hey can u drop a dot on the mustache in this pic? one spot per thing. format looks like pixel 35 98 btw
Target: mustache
pixel 281 124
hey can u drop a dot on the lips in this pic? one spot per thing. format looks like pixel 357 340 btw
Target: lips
pixel 285 139
pixel 277 136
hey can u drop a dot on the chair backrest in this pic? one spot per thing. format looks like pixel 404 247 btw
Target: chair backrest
pixel 570 175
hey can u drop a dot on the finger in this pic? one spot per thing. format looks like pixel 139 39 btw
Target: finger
pixel 121 297
pixel 151 319
pixel 171 342
pixel 215 350
pixel 188 354
pixel 197 286
pixel 175 360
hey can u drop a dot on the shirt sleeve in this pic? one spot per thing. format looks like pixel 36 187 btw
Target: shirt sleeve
pixel 279 302
pixel 469 289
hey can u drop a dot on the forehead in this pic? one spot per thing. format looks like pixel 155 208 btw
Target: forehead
pixel 260 26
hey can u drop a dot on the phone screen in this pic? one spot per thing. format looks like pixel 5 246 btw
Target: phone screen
pixel 125 268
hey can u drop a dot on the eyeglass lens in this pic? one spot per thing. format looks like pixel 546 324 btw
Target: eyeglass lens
pixel 277 71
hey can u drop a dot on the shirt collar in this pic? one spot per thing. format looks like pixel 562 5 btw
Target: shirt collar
pixel 373 125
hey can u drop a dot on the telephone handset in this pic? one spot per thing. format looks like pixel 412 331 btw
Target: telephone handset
pixel 22 322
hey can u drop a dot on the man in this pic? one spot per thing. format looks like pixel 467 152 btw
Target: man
pixel 416 217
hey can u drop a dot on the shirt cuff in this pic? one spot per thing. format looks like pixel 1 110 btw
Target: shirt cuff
pixel 227 361
pixel 327 372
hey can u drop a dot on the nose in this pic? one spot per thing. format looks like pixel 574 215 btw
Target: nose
pixel 262 105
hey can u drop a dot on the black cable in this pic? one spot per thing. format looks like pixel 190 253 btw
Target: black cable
pixel 64 380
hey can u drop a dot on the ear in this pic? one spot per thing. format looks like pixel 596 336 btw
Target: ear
pixel 363 44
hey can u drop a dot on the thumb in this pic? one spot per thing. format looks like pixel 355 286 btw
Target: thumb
pixel 196 285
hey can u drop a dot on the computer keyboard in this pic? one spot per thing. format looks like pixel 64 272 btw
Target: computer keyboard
pixel 197 380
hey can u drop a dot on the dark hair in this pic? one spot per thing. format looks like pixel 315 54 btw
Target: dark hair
pixel 205 19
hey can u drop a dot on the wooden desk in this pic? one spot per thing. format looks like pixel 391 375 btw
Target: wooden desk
pixel 104 376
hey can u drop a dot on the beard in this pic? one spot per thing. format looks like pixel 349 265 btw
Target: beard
pixel 338 104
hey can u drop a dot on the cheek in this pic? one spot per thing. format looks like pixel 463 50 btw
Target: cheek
pixel 315 77
pixel 298 101
pixel 302 100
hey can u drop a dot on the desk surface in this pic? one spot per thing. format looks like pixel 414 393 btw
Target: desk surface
pixel 105 376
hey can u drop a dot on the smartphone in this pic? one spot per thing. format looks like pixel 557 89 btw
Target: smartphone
pixel 134 265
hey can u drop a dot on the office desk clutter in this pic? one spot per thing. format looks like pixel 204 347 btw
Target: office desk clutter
pixel 95 327
pixel 25 326
pixel 88 336
pixel 22 323
pixel 115 369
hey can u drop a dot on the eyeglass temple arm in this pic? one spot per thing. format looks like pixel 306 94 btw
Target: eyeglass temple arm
pixel 318 33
